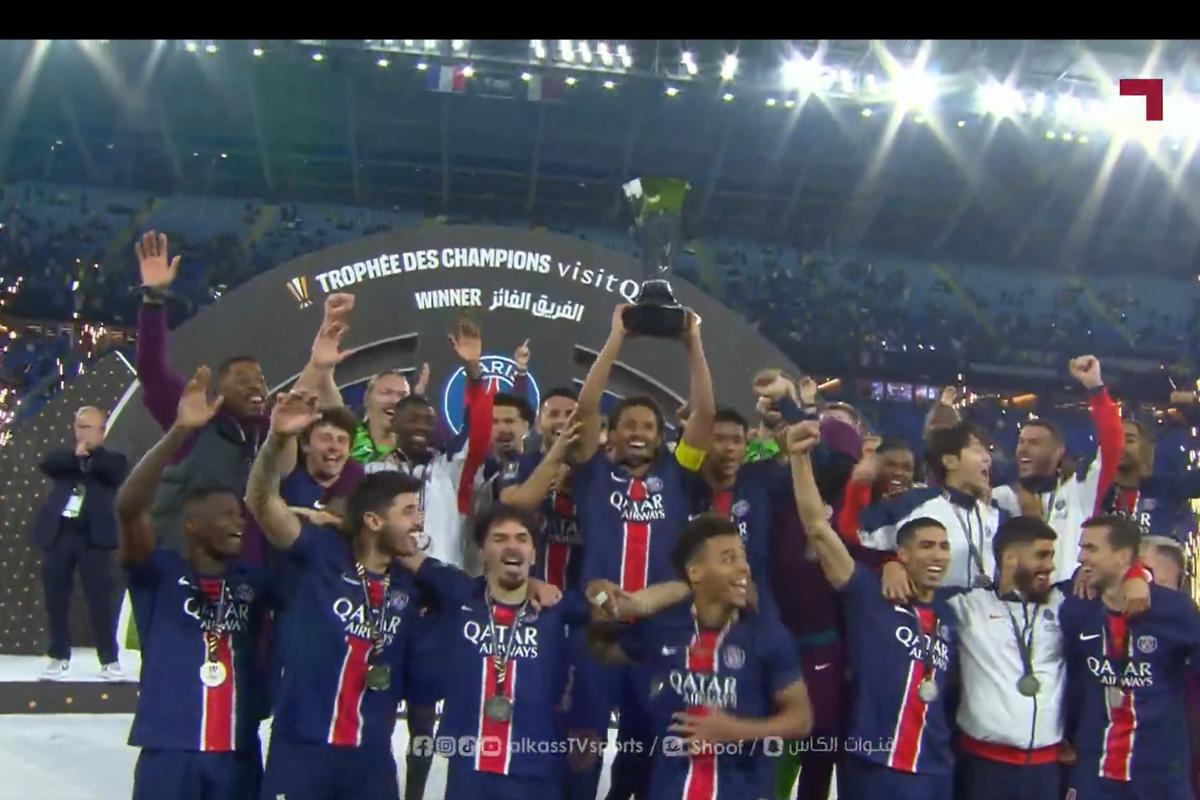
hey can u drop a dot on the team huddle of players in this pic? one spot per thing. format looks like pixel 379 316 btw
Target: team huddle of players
pixel 1004 643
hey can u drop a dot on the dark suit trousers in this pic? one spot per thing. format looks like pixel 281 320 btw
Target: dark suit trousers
pixel 71 550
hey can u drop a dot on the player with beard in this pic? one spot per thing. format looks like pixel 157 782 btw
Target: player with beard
pixel 1126 713
pixel 218 454
pixel 1157 503
pixel 632 505
pixel 724 676
pixel 512 419
pixel 1064 499
pixel 198 615
pixel 901 655
pixel 344 631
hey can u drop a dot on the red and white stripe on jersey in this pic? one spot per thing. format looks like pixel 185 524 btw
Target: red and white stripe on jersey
pixel 701 782
pixel 346 727
pixel 558 554
pixel 635 544
pixel 493 745
pixel 1117 756
pixel 218 714
pixel 910 722
pixel 722 503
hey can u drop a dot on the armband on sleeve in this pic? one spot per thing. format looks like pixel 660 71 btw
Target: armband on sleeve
pixel 690 458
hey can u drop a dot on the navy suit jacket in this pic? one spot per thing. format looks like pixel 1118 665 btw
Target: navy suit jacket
pixel 100 475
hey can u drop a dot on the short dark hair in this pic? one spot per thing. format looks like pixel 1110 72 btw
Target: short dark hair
pixel 412 400
pixel 697 532
pixel 1145 431
pixel 229 363
pixel 948 441
pixel 1021 530
pixel 729 414
pixel 198 494
pixel 894 446
pixel 838 405
pixel 560 391
pixel 504 513
pixel 909 529
pixel 1123 533
pixel 506 400
pixel 338 417
pixel 1170 548
pixel 1039 422
pixel 375 493
pixel 637 401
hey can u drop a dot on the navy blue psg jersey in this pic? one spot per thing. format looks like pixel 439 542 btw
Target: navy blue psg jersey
pixel 1125 683
pixel 560 546
pixel 173 607
pixel 1160 504
pixel 534 679
pixel 630 524
pixel 326 643
pixel 739 670
pixel 759 488
pixel 893 649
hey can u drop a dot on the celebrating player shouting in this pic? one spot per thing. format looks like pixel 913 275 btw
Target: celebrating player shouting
pixel 344 630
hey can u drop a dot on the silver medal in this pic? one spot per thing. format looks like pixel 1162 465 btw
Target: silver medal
pixel 213 674
pixel 498 709
pixel 1029 685
pixel 927 691
pixel 981 582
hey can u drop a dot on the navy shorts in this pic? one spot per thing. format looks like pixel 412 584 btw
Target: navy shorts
pixel 192 775
pixel 866 780
pixel 303 771
pixel 463 782
pixel 1085 783
pixel 424 672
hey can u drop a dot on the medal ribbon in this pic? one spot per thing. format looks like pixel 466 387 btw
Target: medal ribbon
pixel 1119 641
pixel 500 658
pixel 927 624
pixel 964 522
pixel 375 618
pixel 212 636
pixel 1024 636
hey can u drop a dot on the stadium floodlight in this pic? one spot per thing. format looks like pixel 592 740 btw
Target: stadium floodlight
pixel 962 123
pixel 421 65
pixel 1082 139
pixel 571 80
pixel 1068 136
pixel 689 62
pixel 609 85
pixel 585 51
pixel 527 77
pixel 872 83
pixel 729 67
pixel 468 71
pixel 801 73
pixel 431 44
pixel 623 54
pixel 606 56
pixel 727 97
pixel 409 42
pixel 191 47
pixel 384 63
pixel 866 112
pixel 789 103
pixel 458 45
pixel 1037 104
pixel 224 155
pixel 566 50
pixel 210 48
pixel 1068 107
pixel 846 79
pixel 1051 135
pixel 318 56
pixel 771 101
pixel 539 48
pixel 914 88
pixel 258 52
pixel 999 100
pixel 672 91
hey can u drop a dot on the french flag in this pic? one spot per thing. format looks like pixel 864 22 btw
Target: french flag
pixel 443 78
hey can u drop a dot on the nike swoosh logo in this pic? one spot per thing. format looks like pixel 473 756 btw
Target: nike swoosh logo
pixel 1086 637
pixel 670 651
pixel 185 582
pixel 820 667
pixel 467 608
pixel 995 616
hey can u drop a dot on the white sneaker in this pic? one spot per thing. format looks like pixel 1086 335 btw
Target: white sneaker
pixel 112 672
pixel 56 670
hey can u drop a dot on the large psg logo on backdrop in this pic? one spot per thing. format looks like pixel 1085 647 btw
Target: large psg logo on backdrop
pixel 498 373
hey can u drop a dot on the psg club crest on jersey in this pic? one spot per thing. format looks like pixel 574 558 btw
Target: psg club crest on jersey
pixel 397 601
pixel 1147 644
pixel 1048 614
pixel 245 593
pixel 734 657
pixel 498 374
pixel 654 484
pixel 1060 504
pixel 741 508
pixel 511 469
